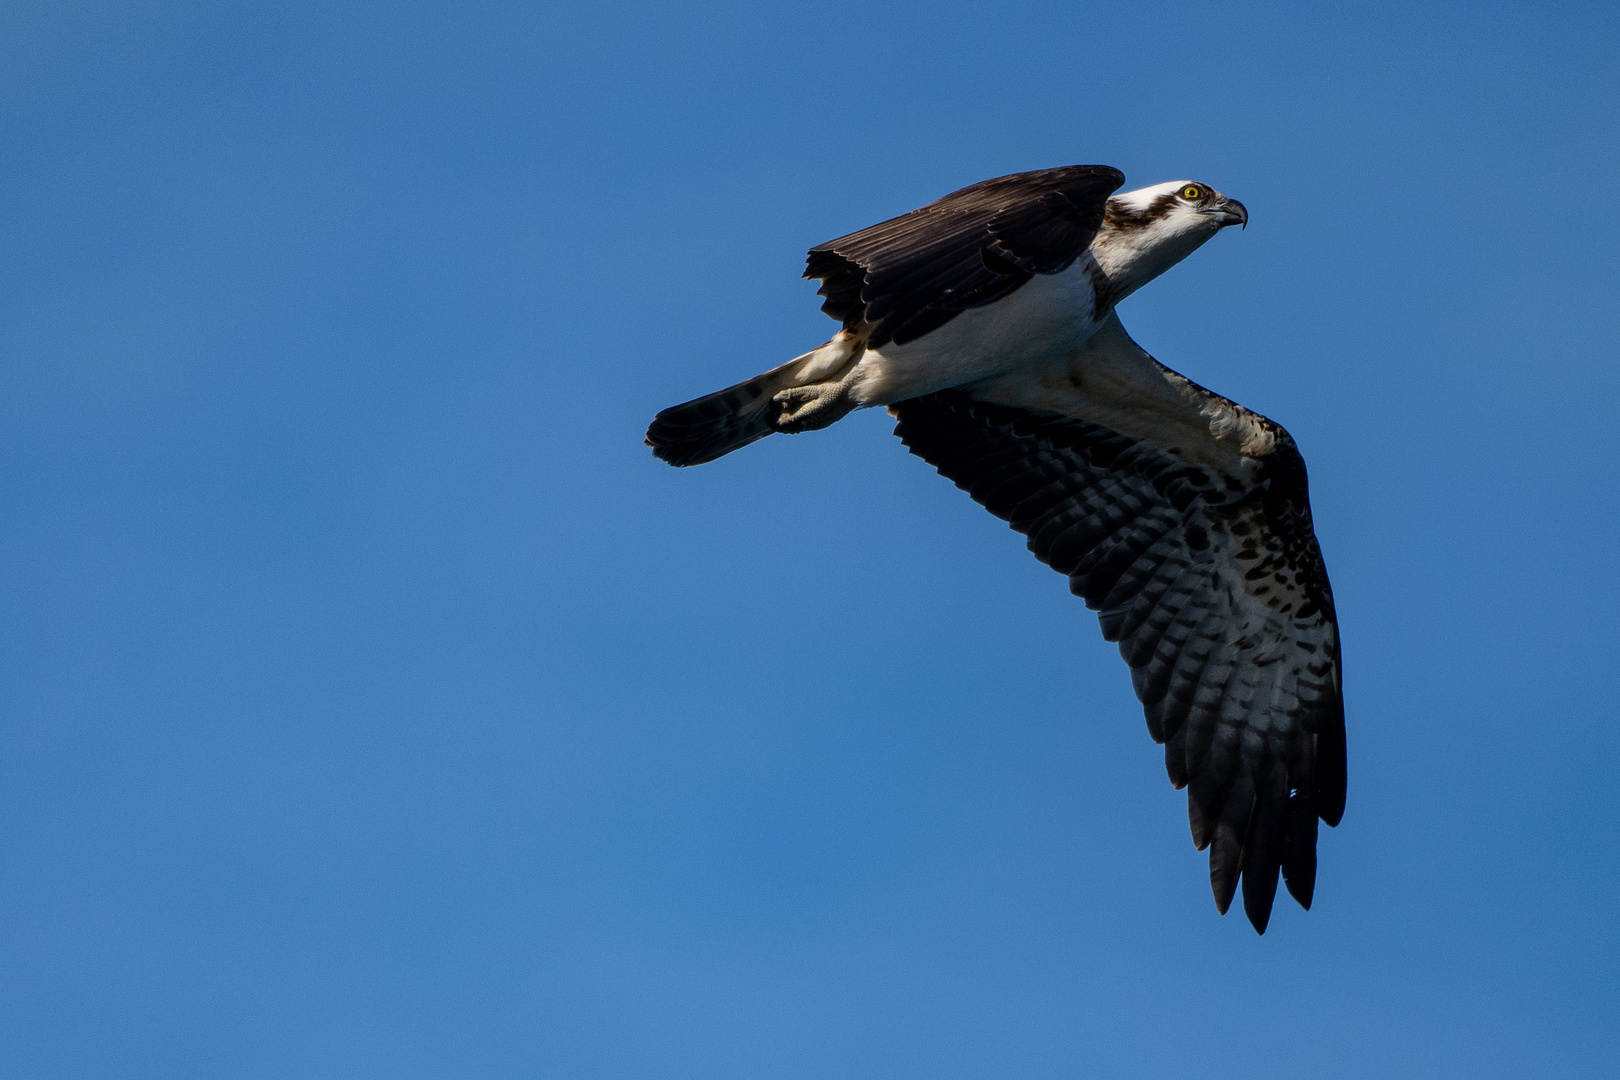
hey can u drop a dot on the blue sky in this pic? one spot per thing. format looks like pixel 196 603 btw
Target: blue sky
pixel 375 705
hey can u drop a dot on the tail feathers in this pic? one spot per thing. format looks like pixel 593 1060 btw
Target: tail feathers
pixel 716 424
pixel 719 423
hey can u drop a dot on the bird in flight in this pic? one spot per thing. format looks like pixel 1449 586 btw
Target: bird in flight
pixel 985 322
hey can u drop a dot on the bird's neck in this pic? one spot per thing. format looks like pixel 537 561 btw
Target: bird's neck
pixel 1130 257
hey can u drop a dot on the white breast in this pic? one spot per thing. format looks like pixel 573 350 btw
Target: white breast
pixel 1045 318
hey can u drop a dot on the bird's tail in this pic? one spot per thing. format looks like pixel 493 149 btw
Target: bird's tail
pixel 716 424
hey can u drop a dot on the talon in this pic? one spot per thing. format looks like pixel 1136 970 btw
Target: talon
pixel 809 408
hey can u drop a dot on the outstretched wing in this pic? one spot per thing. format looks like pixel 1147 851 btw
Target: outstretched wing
pixel 901 278
pixel 1205 568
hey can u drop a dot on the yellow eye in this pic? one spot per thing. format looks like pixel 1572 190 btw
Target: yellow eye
pixel 1191 192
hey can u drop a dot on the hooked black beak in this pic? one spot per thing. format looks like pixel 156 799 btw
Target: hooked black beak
pixel 1229 212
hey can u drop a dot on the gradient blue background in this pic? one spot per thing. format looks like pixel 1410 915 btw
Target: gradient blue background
pixel 374 705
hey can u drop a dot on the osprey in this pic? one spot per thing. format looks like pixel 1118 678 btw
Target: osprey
pixel 985 323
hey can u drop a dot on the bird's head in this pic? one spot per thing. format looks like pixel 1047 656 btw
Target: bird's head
pixel 1147 231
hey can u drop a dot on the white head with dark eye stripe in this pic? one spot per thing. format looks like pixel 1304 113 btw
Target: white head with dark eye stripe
pixel 1147 231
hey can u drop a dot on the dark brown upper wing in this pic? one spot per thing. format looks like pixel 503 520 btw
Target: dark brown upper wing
pixel 1215 590
pixel 906 276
